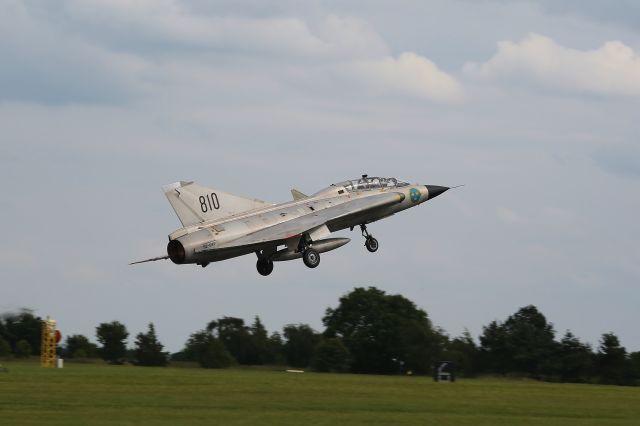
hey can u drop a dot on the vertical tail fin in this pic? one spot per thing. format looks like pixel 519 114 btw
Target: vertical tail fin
pixel 194 203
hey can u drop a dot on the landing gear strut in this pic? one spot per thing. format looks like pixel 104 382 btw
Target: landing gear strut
pixel 369 242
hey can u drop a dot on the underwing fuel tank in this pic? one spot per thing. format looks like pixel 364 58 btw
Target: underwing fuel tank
pixel 320 246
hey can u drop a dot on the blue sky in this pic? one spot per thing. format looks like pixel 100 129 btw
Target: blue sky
pixel 532 105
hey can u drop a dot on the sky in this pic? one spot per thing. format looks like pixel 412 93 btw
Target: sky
pixel 533 105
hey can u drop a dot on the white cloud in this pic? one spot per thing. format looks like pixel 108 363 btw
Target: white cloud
pixel 170 21
pixel 409 74
pixel 123 52
pixel 612 69
pixel 41 63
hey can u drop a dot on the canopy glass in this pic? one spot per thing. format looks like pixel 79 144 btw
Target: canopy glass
pixel 368 183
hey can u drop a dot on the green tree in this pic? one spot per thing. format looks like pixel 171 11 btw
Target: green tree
pixel 575 359
pixel 79 346
pixel 22 326
pixel 634 359
pixel 23 349
pixel 148 350
pixel 383 333
pixel 275 349
pixel 236 338
pixel 300 343
pixel 530 340
pixel 259 352
pixel 331 356
pixel 464 353
pixel 5 348
pixel 611 361
pixel 494 355
pixel 207 350
pixel 523 344
pixel 112 336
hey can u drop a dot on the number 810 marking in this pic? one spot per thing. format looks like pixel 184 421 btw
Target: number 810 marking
pixel 209 203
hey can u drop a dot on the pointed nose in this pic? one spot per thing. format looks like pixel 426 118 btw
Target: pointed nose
pixel 435 190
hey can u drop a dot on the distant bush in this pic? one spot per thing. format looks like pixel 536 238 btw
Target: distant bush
pixel 207 351
pixel 23 349
pixel 331 356
pixel 5 348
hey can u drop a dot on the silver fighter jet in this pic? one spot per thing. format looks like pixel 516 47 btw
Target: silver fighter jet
pixel 218 225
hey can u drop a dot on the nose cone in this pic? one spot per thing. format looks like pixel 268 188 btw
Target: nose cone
pixel 435 190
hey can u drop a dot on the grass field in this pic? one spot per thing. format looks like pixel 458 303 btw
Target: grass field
pixel 90 394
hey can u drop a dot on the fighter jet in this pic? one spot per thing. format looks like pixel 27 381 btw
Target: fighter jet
pixel 218 225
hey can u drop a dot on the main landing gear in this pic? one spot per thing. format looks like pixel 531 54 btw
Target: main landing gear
pixel 310 256
pixel 369 242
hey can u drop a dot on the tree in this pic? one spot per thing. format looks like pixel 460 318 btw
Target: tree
pixel 23 349
pixel 112 336
pixel 494 355
pixel 524 343
pixel 634 359
pixel 530 340
pixel 207 350
pixel 259 352
pixel 275 349
pixel 5 348
pixel 148 350
pixel 464 353
pixel 575 359
pixel 300 343
pixel 236 338
pixel 79 346
pixel 383 333
pixel 22 326
pixel 611 360
pixel 331 356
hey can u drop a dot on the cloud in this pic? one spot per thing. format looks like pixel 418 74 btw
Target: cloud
pixel 42 64
pixel 622 160
pixel 168 24
pixel 409 74
pixel 612 69
pixel 113 51
pixel 625 12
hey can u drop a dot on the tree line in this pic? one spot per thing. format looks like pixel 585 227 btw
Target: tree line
pixel 369 331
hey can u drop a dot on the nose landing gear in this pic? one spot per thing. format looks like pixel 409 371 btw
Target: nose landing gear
pixel 369 242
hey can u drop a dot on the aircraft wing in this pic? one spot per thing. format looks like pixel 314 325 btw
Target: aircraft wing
pixel 302 224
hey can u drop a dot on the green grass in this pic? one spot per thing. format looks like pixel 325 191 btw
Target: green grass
pixel 90 394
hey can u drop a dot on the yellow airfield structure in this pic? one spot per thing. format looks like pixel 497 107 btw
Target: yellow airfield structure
pixel 48 344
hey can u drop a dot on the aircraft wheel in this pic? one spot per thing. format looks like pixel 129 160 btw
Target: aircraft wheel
pixel 371 244
pixel 311 258
pixel 264 266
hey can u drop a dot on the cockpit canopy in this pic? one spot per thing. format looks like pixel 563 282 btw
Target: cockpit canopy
pixel 368 183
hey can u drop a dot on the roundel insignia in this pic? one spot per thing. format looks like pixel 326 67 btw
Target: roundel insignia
pixel 414 194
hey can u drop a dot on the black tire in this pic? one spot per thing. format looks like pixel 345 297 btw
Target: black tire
pixel 371 244
pixel 311 258
pixel 264 266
